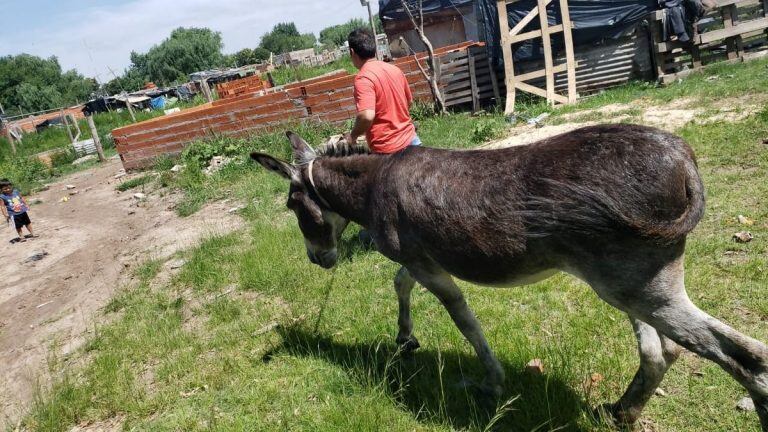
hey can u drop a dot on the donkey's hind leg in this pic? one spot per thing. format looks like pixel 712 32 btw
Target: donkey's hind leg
pixel 657 353
pixel 663 303
pixel 403 286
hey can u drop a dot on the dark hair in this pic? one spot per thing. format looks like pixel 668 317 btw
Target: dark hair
pixel 363 43
pixel 5 182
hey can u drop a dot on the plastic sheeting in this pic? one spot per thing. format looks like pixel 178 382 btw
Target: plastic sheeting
pixel 593 20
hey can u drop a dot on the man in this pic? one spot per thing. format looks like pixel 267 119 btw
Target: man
pixel 382 97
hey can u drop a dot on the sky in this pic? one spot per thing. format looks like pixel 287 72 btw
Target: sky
pixel 94 36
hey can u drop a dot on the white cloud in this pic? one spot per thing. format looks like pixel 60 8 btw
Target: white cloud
pixel 96 39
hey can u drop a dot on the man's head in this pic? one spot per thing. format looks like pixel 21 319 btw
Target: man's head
pixel 362 46
pixel 6 186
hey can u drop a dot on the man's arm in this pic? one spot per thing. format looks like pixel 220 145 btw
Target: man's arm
pixel 363 122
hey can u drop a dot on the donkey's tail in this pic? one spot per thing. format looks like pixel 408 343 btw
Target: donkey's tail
pixel 668 231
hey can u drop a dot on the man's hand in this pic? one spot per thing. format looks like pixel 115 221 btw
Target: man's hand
pixel 363 122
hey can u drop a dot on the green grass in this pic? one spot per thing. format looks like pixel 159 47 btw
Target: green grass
pixel 202 352
pixel 134 182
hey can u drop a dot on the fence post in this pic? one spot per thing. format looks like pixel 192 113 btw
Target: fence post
pixel 95 136
pixel 130 108
pixel 66 125
pixel 9 136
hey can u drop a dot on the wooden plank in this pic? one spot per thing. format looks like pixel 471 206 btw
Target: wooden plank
pixel 473 83
pixel 745 27
pixel 536 33
pixel 547 44
pixel 494 81
pixel 541 92
pixel 569 57
pixel 540 73
pixel 506 47
pixel 523 22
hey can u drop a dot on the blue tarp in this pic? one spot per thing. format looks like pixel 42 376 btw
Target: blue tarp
pixel 157 103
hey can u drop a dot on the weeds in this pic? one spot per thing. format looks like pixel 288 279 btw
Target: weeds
pixel 134 182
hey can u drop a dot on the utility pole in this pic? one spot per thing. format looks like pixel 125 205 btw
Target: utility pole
pixel 130 108
pixel 373 26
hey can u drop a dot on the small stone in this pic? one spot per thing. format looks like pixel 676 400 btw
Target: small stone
pixel 746 404
pixel 36 256
pixel 745 220
pixel 74 192
pixel 140 196
pixel 177 168
pixel 177 263
pixel 69 186
pixel 119 175
pixel 660 392
pixel 743 237
pixel 131 212
pixel 234 209
pixel 535 366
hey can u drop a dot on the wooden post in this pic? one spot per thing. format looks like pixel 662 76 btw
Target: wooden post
pixel 95 136
pixel 506 47
pixel 570 61
pixel 473 81
pixel 495 80
pixel 130 107
pixel 66 125
pixel 9 136
pixel 545 42
pixel 206 89
pixel 733 43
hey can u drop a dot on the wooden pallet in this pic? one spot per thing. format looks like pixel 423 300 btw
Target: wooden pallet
pixel 735 31
pixel 545 32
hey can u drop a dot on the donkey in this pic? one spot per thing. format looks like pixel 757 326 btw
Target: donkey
pixel 609 204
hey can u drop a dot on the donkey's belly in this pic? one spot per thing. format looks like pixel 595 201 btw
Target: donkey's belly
pixel 514 278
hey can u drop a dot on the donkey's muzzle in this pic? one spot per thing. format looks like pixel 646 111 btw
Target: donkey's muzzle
pixel 325 259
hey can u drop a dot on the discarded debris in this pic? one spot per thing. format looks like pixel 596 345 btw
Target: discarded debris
pixel 712 77
pixel 535 366
pixel 234 209
pixel 743 237
pixel 140 196
pixel 746 404
pixel 538 119
pixel 37 256
pixel 660 392
pixel 120 174
pixel 177 168
pixel 74 192
pixel 745 220
pixel 43 304
pixel 217 163
pixel 69 186
pixel 64 199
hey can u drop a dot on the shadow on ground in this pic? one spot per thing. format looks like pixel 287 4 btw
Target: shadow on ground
pixel 429 384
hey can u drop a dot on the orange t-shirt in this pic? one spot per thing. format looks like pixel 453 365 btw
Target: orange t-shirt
pixel 383 88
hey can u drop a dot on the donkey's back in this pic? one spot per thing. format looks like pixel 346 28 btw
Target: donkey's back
pixel 481 214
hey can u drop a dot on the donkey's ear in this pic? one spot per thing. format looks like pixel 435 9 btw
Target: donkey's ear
pixel 302 152
pixel 275 165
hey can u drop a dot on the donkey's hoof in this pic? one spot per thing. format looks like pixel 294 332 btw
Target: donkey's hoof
pixel 408 344
pixel 616 414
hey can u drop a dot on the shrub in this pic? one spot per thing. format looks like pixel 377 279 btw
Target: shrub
pixel 485 130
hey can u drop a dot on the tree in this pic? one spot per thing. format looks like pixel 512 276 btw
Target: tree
pixel 187 50
pixel 284 37
pixel 248 56
pixel 336 35
pixel 29 83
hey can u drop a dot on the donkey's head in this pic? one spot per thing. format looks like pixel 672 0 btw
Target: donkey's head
pixel 320 225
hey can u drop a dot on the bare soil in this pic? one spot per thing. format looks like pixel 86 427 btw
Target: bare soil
pixel 48 306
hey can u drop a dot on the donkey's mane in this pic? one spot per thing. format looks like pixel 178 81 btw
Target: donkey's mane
pixel 332 150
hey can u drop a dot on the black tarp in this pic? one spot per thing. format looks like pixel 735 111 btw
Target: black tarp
pixel 593 20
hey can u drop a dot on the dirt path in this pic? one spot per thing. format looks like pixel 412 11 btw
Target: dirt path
pixel 91 241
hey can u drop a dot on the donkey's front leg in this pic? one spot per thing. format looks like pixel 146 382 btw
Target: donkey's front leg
pixel 403 285
pixel 442 286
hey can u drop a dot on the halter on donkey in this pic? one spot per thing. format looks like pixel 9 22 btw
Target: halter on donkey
pixel 609 204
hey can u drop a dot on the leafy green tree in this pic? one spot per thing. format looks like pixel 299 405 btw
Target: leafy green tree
pixel 284 37
pixel 29 83
pixel 187 50
pixel 248 56
pixel 336 35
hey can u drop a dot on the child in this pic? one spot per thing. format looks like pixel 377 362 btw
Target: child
pixel 15 208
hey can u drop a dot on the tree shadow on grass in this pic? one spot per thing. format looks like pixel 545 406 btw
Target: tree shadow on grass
pixel 429 384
